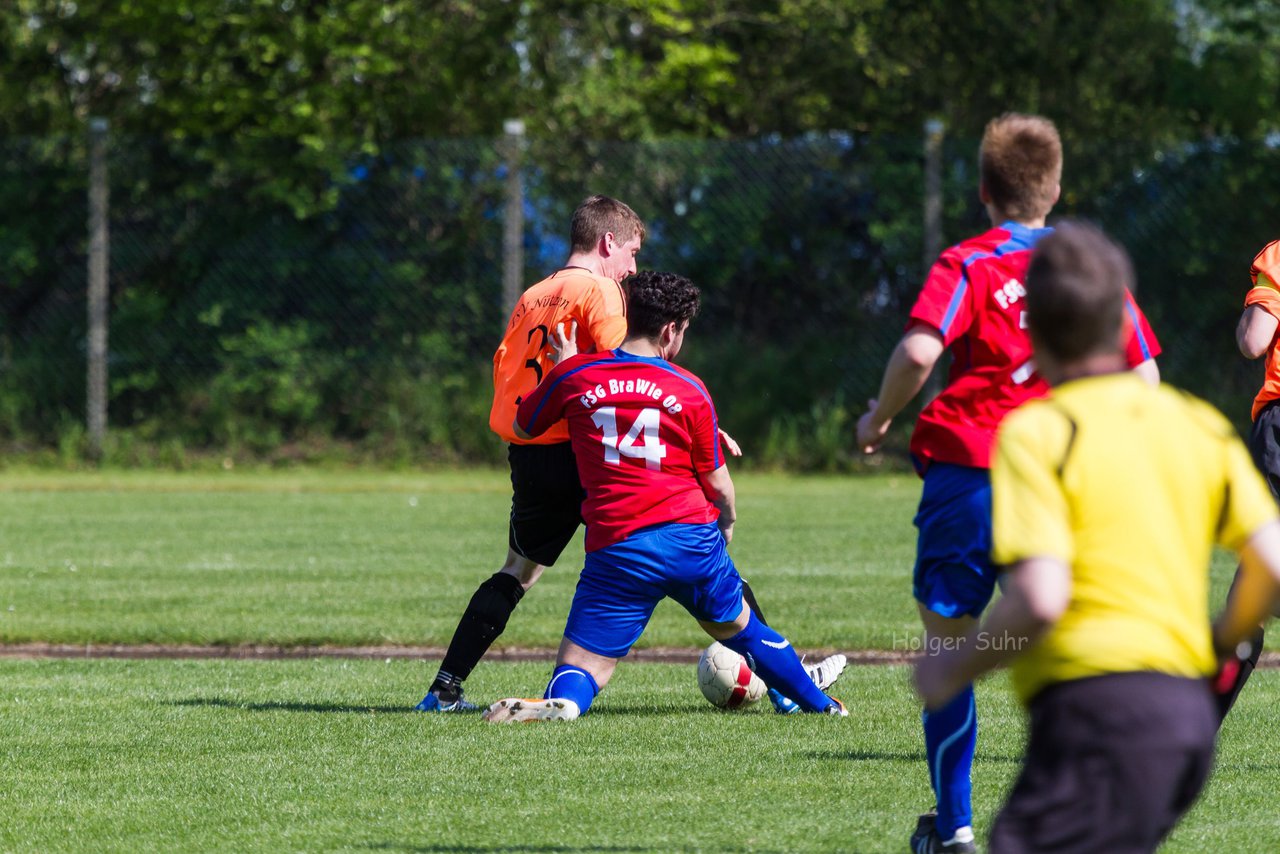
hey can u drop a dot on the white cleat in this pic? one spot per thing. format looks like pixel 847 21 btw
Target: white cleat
pixel 517 710
pixel 825 673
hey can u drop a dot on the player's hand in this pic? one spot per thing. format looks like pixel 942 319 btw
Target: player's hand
pixel 727 531
pixel 871 431
pixel 565 345
pixel 730 445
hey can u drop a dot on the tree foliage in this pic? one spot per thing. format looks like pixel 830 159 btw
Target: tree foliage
pixel 277 94
pixel 281 230
pixel 271 96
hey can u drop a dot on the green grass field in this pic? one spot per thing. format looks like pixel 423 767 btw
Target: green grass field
pixel 324 754
pixel 361 559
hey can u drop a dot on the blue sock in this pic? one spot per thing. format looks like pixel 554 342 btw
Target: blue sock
pixel 572 683
pixel 772 657
pixel 949 737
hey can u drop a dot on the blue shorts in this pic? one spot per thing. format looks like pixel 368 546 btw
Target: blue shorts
pixel 954 574
pixel 622 584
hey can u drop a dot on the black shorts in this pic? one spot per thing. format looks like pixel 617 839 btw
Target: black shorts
pixel 546 500
pixel 1264 445
pixel 1112 763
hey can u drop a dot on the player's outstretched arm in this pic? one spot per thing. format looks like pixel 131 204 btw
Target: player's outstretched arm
pixel 909 367
pixel 543 406
pixel 1255 331
pixel 536 413
pixel 718 487
pixel 1254 593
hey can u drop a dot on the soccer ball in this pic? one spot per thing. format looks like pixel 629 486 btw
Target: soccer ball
pixel 725 679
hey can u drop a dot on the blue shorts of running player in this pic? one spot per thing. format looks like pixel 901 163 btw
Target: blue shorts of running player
pixel 621 584
pixel 954 575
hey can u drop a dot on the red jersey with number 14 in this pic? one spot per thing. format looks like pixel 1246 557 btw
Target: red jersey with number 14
pixel 642 431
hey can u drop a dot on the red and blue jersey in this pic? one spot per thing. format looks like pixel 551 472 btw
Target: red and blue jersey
pixel 974 296
pixel 642 431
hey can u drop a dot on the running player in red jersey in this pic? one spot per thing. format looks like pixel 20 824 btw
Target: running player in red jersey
pixel 659 509
pixel 972 302
pixel 1109 496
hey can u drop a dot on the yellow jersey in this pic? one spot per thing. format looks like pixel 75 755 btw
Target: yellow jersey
pixel 525 355
pixel 1130 485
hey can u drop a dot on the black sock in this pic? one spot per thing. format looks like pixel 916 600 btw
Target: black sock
pixel 446 686
pixel 752 603
pixel 481 624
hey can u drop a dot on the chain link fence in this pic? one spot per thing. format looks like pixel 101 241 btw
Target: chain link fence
pixel 239 325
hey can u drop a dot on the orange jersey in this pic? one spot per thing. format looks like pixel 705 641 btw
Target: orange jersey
pixel 525 356
pixel 1265 292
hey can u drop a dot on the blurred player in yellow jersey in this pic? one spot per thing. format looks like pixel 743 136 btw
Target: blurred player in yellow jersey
pixel 1108 497
pixel 585 297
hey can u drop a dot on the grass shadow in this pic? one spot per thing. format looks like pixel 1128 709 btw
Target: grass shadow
pixel 536 849
pixel 610 710
pixel 903 756
pixel 626 710
pixel 217 702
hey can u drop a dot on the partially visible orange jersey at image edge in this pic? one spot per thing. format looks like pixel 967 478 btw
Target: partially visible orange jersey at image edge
pixel 1265 292
pixel 525 355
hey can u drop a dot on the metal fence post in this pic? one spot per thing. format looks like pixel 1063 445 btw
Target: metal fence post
pixel 99 201
pixel 513 215
pixel 934 130
pixel 933 133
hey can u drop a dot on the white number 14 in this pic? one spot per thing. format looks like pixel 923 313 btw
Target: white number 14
pixel 645 428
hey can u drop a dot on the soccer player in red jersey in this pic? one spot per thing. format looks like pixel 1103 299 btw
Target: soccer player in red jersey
pixel 659 509
pixel 972 303
pixel 586 295
pixel 1106 584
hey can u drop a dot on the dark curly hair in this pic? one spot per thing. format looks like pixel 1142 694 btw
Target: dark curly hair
pixel 655 299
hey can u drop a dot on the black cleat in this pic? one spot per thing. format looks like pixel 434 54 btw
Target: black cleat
pixel 925 840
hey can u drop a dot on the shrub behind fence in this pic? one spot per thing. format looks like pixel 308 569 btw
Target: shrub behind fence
pixel 238 326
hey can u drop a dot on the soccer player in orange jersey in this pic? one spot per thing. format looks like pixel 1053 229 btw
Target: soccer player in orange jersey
pixel 585 295
pixel 1256 337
